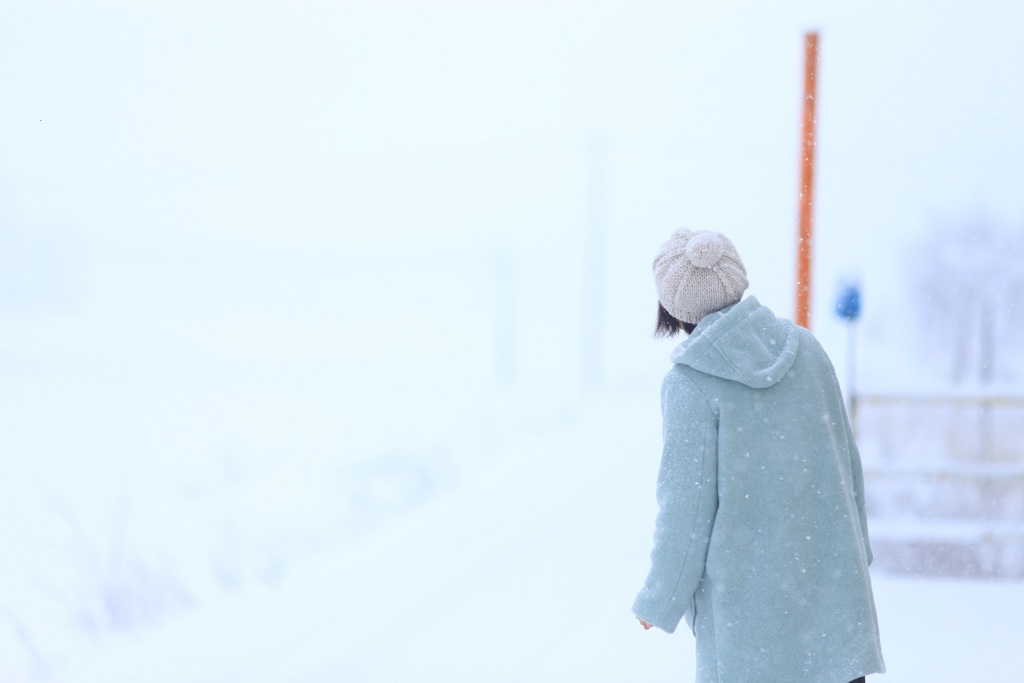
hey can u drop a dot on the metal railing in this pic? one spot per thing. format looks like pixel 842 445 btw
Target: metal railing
pixel 982 409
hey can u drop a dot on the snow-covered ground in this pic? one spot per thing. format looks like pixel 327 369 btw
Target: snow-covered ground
pixel 523 570
pixel 292 299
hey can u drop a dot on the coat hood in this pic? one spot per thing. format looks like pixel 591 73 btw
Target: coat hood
pixel 743 343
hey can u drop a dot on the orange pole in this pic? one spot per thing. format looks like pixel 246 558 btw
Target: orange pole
pixel 805 241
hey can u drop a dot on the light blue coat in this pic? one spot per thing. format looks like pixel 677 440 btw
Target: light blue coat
pixel 761 541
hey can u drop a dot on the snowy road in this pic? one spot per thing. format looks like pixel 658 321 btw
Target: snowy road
pixel 523 571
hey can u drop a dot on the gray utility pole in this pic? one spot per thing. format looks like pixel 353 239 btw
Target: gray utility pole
pixel 594 250
pixel 506 347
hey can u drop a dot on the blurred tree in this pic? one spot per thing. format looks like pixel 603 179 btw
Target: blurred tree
pixel 968 276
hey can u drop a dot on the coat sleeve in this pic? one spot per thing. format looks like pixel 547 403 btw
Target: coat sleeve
pixel 687 493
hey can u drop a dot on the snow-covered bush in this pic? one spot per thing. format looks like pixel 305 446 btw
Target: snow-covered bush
pixel 968 282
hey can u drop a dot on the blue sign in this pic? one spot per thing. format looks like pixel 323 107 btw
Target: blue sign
pixel 848 303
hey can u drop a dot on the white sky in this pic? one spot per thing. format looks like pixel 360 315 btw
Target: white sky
pixel 228 128
pixel 920 101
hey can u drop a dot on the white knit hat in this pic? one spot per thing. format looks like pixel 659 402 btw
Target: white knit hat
pixel 697 273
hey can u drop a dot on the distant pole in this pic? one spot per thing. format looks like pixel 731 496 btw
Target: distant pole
pixel 848 307
pixel 805 241
pixel 851 372
pixel 594 238
pixel 505 341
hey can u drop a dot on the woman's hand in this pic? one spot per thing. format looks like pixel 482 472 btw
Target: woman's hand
pixel 647 627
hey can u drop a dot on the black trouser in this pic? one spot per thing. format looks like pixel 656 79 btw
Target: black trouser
pixel 859 680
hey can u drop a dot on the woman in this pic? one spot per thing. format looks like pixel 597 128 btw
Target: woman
pixel 761 540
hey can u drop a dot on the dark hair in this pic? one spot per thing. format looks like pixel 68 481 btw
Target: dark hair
pixel 669 326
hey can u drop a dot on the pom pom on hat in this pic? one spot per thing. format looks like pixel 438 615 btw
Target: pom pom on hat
pixel 705 249
pixel 697 273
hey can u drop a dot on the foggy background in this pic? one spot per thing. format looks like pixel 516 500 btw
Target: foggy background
pixel 324 325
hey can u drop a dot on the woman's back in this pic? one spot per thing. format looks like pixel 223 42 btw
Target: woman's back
pixel 785 593
pixel 761 539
